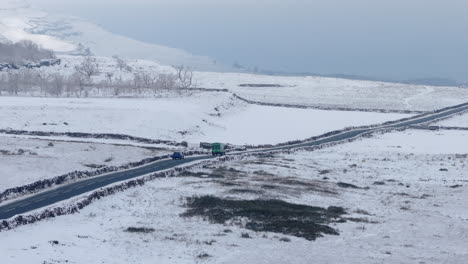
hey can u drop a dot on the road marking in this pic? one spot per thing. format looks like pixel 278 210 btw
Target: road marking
pixel 51 195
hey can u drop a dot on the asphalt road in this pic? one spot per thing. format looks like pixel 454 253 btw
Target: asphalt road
pixel 67 191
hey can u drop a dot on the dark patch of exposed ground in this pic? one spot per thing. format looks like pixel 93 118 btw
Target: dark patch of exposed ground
pixel 276 216
pixel 140 230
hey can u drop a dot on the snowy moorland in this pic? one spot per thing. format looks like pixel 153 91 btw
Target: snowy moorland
pixel 23 161
pixel 201 116
pixel 314 92
pixel 403 194
pixel 334 93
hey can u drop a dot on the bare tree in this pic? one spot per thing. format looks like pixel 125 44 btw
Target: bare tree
pixel 89 67
pixel 23 52
pixel 184 76
pixel 57 84
pixel 13 83
pixel 109 76
pixel 166 81
pixel 78 80
pixel 120 63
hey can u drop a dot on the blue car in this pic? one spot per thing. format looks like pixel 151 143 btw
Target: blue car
pixel 177 156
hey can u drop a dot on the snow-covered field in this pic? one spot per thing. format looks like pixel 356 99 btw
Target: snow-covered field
pixel 411 212
pixel 24 161
pixel 195 118
pixel 457 121
pixel 333 92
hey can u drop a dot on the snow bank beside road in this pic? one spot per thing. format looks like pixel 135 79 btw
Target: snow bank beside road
pixel 24 161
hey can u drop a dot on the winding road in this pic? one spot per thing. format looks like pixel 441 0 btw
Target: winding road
pixel 61 193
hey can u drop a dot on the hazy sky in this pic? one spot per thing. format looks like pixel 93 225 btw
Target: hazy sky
pixel 381 38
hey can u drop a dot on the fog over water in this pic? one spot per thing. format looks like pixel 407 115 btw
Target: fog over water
pixel 398 39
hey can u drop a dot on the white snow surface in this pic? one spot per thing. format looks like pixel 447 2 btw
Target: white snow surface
pixel 201 116
pixel 416 216
pixel 457 121
pixel 335 92
pixel 25 161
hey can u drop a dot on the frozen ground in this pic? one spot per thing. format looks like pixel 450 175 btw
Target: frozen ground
pixel 199 117
pixel 406 191
pixel 332 92
pixel 24 161
pixel 457 121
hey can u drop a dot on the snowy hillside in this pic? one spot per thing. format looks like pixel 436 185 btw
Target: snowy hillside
pixel 20 21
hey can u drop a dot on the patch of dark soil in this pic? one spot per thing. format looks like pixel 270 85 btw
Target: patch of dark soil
pixel 348 185
pixel 203 256
pixel 54 242
pixel 443 169
pixel 245 235
pixel 260 85
pixel 263 173
pixel 109 159
pixel 379 183
pixel 145 230
pixel 402 194
pixel 94 166
pixel 363 212
pixel 456 186
pixel 277 216
pixel 228 183
pixel 316 186
pixel 424 196
pixel 246 191
pixel 234 170
pixel 269 186
pixel 201 175
pixel 361 220
pixel 322 172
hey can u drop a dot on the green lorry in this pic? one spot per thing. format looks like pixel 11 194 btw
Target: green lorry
pixel 217 149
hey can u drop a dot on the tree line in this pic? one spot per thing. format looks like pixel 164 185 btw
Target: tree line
pixel 87 79
pixel 23 52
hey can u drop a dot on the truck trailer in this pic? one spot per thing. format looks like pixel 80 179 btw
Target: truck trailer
pixel 218 149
